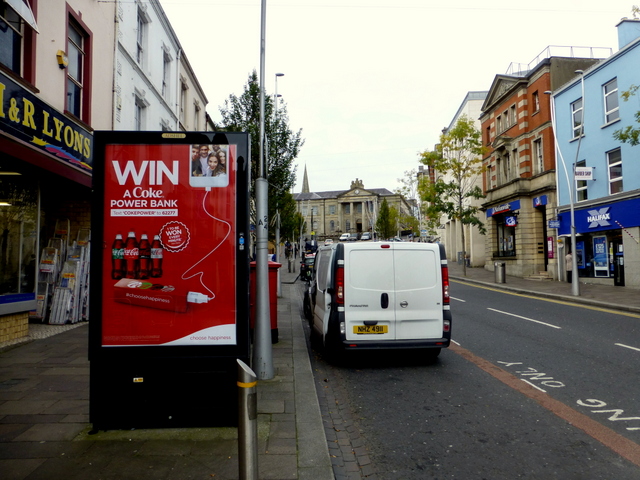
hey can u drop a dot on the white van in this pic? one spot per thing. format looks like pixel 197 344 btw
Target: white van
pixel 381 295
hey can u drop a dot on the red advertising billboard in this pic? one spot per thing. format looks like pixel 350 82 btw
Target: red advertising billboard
pixel 169 224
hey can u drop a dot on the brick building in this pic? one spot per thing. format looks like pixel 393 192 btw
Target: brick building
pixel 519 180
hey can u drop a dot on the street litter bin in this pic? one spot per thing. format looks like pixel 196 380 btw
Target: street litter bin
pixel 273 297
pixel 500 270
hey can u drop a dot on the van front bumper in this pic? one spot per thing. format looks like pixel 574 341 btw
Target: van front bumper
pixel 396 344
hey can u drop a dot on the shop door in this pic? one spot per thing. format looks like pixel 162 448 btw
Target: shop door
pixel 618 262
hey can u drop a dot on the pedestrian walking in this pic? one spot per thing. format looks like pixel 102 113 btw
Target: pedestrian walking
pixel 568 260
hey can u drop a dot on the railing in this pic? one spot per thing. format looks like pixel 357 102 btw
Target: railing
pixel 522 69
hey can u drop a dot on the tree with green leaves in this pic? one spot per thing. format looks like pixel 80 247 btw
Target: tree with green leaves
pixel 629 134
pixel 457 161
pixel 282 145
pixel 387 220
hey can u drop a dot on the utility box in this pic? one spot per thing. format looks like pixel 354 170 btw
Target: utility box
pixel 273 297
pixel 500 270
pixel 169 278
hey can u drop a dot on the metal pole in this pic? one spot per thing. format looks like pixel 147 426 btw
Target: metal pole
pixel 262 349
pixel 247 423
pixel 575 281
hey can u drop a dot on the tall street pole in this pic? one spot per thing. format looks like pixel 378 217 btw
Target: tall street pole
pixel 262 349
pixel 275 156
pixel 575 281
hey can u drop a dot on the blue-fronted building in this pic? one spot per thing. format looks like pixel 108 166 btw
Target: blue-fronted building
pixel 603 172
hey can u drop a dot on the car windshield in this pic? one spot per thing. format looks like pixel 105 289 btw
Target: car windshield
pixel 309 260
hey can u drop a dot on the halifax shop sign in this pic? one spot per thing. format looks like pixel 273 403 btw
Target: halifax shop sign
pixel 623 214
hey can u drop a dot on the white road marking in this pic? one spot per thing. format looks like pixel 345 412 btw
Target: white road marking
pixel 458 299
pixel 525 318
pixel 534 386
pixel 627 346
pixel 455 342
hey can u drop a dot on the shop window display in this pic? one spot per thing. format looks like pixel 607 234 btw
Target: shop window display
pixel 18 235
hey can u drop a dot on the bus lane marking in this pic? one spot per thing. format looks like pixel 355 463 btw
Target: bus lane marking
pixel 621 445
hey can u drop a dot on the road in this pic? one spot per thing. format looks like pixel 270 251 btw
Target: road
pixel 534 389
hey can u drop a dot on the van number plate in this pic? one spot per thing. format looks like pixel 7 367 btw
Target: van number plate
pixel 370 329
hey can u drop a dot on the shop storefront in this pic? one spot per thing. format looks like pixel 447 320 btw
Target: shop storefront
pixel 606 241
pixel 506 221
pixel 45 180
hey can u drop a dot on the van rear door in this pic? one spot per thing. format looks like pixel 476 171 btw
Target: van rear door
pixel 393 288
pixel 418 286
pixel 369 292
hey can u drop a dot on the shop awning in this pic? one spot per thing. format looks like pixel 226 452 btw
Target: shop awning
pixel 23 9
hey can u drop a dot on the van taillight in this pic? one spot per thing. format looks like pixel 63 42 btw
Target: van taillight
pixel 445 285
pixel 340 285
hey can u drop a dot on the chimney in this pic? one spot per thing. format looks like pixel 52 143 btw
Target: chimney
pixel 628 31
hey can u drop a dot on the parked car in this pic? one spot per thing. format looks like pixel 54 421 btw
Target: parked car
pixel 366 236
pixel 328 241
pixel 353 237
pixel 306 266
pixel 344 237
pixel 353 307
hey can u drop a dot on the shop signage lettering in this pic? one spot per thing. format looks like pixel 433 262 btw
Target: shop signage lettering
pixel 599 218
pixel 29 119
pixel 502 208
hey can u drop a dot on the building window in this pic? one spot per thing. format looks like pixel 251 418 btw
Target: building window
pixel 347 208
pixel 614 160
pixel 488 136
pixel 499 124
pixel 304 211
pixel 314 210
pixel 506 238
pixel 166 72
pixel 348 226
pixel 196 116
pixel 139 111
pixel 538 159
pixel 141 36
pixel 332 226
pixel 504 168
pixel 332 209
pixel 610 91
pixel 11 36
pixel 184 88
pixel 581 185
pixel 576 118
pixel 536 102
pixel 358 207
pixel 75 69
pixel 513 117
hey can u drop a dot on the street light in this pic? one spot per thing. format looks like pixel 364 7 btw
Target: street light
pixel 571 182
pixel 275 154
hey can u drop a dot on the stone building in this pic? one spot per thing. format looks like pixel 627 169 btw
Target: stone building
pixel 331 213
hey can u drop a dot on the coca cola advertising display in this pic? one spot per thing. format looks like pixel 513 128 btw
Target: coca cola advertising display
pixel 169 301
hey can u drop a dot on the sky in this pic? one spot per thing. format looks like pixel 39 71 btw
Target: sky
pixel 372 83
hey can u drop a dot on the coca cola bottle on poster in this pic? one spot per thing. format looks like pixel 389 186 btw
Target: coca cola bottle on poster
pixel 156 257
pixel 131 256
pixel 117 258
pixel 145 257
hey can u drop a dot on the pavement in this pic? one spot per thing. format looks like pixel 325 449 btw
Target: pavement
pixel 44 405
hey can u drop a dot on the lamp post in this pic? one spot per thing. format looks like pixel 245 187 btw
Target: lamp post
pixel 262 349
pixel 275 155
pixel 571 182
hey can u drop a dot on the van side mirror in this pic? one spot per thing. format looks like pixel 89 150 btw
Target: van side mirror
pixel 330 291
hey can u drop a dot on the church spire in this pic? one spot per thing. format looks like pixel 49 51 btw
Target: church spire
pixel 305 181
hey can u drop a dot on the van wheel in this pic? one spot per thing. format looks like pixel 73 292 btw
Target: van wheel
pixel 333 350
